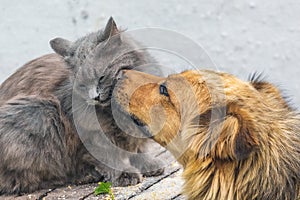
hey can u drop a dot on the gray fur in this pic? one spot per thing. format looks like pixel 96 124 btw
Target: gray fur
pixel 39 143
pixel 60 46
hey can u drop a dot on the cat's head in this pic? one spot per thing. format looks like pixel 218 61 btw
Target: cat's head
pixel 98 59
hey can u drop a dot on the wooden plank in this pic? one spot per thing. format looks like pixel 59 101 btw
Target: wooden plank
pixel 32 196
pixel 166 186
pixel 71 192
pixel 133 192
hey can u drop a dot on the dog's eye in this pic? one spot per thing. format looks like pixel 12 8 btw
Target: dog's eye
pixel 163 90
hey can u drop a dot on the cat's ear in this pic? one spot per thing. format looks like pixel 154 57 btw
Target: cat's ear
pixel 60 46
pixel 111 29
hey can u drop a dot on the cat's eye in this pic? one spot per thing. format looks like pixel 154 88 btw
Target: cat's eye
pixel 163 90
pixel 98 89
pixel 72 53
pixel 100 79
pixel 82 86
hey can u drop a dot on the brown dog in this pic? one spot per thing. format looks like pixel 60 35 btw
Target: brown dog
pixel 235 139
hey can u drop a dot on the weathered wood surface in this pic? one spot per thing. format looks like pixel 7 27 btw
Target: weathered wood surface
pixel 166 186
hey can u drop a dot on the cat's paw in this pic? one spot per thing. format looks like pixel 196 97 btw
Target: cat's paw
pixel 153 168
pixel 127 179
pixel 91 176
pixel 147 165
pixel 156 172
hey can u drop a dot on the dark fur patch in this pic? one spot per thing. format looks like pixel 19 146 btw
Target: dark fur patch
pixel 256 77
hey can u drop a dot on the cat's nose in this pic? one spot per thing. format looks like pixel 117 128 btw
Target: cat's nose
pixel 97 98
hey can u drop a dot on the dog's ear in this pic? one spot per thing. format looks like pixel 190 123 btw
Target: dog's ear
pixel 237 137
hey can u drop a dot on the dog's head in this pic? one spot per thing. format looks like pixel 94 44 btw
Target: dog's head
pixel 204 112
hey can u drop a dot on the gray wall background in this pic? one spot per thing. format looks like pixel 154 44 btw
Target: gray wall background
pixel 239 36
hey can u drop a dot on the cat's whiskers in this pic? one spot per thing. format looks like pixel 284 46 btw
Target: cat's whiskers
pixel 92 102
pixel 77 108
pixel 84 113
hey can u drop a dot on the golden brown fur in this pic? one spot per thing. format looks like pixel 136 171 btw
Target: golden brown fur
pixel 235 139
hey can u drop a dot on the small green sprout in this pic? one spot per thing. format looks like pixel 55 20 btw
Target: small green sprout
pixel 104 188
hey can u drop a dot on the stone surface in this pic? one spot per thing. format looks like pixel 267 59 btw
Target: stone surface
pixel 166 186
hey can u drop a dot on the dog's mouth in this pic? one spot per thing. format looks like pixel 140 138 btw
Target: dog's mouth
pixel 137 121
pixel 141 125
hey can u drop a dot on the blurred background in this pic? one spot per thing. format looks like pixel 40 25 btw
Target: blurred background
pixel 239 36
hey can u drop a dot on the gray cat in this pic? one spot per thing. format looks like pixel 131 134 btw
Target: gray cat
pixel 51 111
